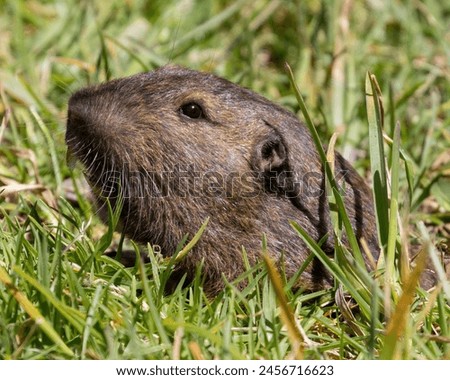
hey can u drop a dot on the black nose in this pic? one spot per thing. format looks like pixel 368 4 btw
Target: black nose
pixel 79 111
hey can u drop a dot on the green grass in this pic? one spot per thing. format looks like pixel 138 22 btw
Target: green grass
pixel 60 297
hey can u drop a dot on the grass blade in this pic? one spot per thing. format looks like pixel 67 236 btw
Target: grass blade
pixel 34 313
pixel 374 108
pixel 328 171
pixel 393 216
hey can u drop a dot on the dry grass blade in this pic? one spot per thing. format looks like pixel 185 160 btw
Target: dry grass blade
pixel 14 189
pixel 4 123
pixel 196 351
pixel 33 312
pixel 286 313
pixel 397 324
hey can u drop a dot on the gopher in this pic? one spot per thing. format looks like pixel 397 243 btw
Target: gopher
pixel 178 146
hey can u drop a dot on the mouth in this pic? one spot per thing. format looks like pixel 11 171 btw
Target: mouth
pixel 96 167
pixel 71 159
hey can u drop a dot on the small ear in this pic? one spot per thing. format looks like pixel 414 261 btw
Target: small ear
pixel 271 154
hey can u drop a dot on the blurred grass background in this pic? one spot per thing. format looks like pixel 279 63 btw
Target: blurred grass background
pixel 49 49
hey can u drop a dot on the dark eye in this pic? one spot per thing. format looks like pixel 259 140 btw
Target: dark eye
pixel 192 110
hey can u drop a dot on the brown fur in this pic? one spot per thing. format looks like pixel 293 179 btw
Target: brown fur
pixel 247 164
